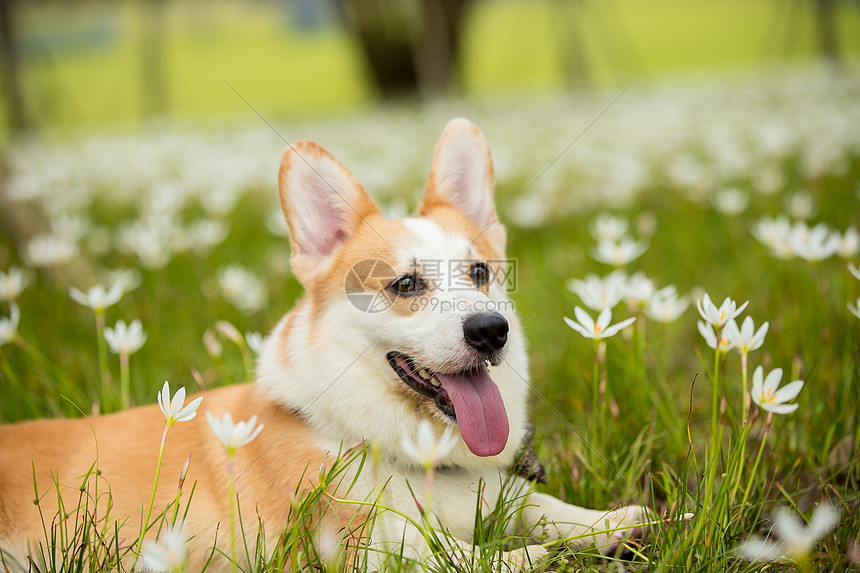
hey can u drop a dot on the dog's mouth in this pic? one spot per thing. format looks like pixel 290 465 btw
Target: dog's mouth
pixel 469 397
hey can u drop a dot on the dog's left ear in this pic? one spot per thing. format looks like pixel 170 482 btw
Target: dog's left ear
pixel 462 177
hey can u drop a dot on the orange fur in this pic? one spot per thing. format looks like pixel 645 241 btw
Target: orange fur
pixel 125 448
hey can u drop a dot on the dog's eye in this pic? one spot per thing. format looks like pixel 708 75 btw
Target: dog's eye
pixel 480 273
pixel 407 284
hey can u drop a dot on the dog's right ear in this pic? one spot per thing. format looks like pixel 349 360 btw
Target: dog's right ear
pixel 323 203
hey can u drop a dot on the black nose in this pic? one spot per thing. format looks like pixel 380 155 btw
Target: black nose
pixel 486 331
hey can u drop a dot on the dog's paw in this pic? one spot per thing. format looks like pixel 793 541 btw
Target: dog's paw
pixel 625 523
pixel 524 558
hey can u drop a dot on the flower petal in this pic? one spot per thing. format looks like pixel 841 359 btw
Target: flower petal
pixel 177 402
pixel 788 392
pixel 779 408
pixel 789 528
pixel 757 378
pixel 824 518
pixel 604 318
pixel 771 381
pixel 760 550
pixel 189 411
pixel 707 333
pixel 78 296
pixel 164 398
pixel 583 318
pixel 616 327
pixel 579 328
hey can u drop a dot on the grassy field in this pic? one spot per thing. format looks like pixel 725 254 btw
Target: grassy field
pixel 82 61
pixel 664 158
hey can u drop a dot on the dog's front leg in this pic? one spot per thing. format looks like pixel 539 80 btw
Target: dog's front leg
pixel 397 541
pixel 551 519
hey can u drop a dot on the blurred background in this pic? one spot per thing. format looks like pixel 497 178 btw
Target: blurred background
pixel 84 63
pixel 140 142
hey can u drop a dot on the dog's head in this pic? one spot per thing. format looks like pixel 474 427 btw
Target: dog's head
pixel 403 320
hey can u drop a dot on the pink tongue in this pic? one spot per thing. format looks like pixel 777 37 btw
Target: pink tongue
pixel 479 409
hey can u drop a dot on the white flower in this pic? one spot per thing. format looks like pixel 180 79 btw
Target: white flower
pixel 854 271
pixel 800 205
pixel 773 233
pixel 426 449
pixel 242 289
pixel 730 201
pixel 233 436
pixel 707 332
pixel 666 306
pixel 597 330
pixel 205 234
pixel 124 339
pixel 815 244
pixel 597 293
pixel 765 393
pixel 608 227
pixel 855 308
pixel 12 283
pixel 166 556
pixel 97 298
pixel 328 547
pixel 71 228
pixel 230 332
pixel 719 316
pixel 49 251
pixel 798 539
pixel 127 279
pixel 619 253
pixel 212 344
pixel 849 244
pixel 148 242
pixel 9 326
pixel 173 409
pixel 745 338
pixel 639 289
pixel 255 341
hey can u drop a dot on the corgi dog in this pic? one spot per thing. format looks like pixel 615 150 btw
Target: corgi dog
pixel 402 323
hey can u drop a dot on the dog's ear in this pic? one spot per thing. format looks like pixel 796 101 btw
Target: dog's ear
pixel 462 177
pixel 323 203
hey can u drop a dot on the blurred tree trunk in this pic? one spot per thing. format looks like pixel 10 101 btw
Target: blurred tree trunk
pixel 828 35
pixel 16 116
pixel 411 46
pixel 573 57
pixel 153 57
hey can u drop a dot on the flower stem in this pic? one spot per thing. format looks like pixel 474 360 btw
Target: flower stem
pixel 757 460
pixel 144 525
pixel 103 363
pixel 716 395
pixel 746 403
pixel 247 360
pixel 231 493
pixel 124 384
pixel 428 492
pixel 746 427
pixel 595 377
